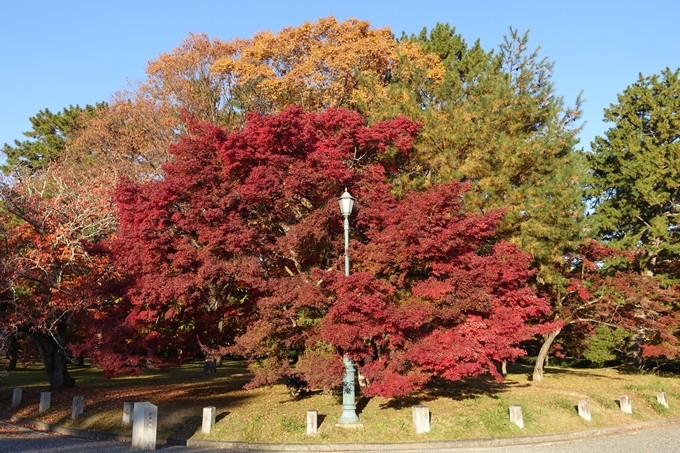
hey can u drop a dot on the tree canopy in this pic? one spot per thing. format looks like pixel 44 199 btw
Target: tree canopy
pixel 243 232
pixel 635 184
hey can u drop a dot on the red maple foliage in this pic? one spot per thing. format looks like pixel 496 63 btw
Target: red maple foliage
pixel 602 292
pixel 240 245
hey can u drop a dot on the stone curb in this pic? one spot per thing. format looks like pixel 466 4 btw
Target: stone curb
pixel 389 447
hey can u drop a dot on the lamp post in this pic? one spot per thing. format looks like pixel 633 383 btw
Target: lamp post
pixel 348 409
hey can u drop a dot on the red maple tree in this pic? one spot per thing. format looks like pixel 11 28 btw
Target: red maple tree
pixel 605 292
pixel 240 246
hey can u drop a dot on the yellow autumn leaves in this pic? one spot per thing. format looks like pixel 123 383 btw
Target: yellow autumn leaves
pixel 318 65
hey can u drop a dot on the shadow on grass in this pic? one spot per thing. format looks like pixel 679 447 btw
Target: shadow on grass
pixel 302 396
pixel 187 429
pixel 361 405
pixel 219 417
pixel 557 370
pixel 469 388
pixel 180 411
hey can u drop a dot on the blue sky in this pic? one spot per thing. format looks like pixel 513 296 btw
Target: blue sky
pixel 57 53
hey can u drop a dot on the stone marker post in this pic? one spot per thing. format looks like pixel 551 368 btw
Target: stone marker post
pixel 127 412
pixel 584 409
pixel 44 401
pixel 144 426
pixel 516 416
pixel 661 398
pixel 626 405
pixel 421 418
pixel 78 402
pixel 208 419
pixel 312 422
pixel 16 397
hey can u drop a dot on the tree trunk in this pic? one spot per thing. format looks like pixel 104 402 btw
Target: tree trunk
pixel 634 349
pixel 54 359
pixel 218 361
pixel 210 367
pixel 13 353
pixel 504 368
pixel 543 355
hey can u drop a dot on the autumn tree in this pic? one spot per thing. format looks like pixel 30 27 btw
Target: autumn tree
pixel 635 185
pixel 490 120
pixel 184 79
pixel 606 305
pixel 243 234
pixel 315 65
pixel 46 272
pixel 131 135
pixel 134 132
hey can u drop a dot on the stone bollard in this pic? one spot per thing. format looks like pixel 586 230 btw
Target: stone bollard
pixel 16 397
pixel 144 426
pixel 421 418
pixel 312 422
pixel 78 403
pixel 208 419
pixel 44 401
pixel 127 412
pixel 516 416
pixel 626 405
pixel 584 409
pixel 661 398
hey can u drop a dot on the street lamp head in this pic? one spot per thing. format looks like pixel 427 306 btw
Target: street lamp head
pixel 346 203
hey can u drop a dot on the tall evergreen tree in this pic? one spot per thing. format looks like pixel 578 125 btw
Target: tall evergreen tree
pixel 635 167
pixel 493 120
pixel 48 137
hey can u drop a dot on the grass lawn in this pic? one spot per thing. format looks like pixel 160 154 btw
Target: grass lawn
pixel 474 408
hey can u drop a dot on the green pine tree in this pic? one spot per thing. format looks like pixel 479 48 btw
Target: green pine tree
pixel 47 138
pixel 494 121
pixel 635 168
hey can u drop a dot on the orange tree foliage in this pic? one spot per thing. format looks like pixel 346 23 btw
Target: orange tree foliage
pixel 183 78
pixel 316 65
pixel 240 245
pixel 131 135
pixel 46 271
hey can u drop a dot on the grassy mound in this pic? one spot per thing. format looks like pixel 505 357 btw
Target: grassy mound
pixel 474 408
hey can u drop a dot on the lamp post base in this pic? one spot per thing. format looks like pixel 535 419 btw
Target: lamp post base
pixel 349 415
pixel 357 425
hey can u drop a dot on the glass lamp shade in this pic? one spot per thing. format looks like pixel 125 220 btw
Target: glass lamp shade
pixel 346 203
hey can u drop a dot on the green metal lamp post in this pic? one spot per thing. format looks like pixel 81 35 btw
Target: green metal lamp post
pixel 348 408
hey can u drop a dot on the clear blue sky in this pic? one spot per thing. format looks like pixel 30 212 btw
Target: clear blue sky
pixel 57 53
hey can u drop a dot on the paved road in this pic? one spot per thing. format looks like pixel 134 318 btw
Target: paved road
pixel 663 439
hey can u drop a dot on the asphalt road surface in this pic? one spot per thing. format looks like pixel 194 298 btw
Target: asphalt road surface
pixel 662 439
